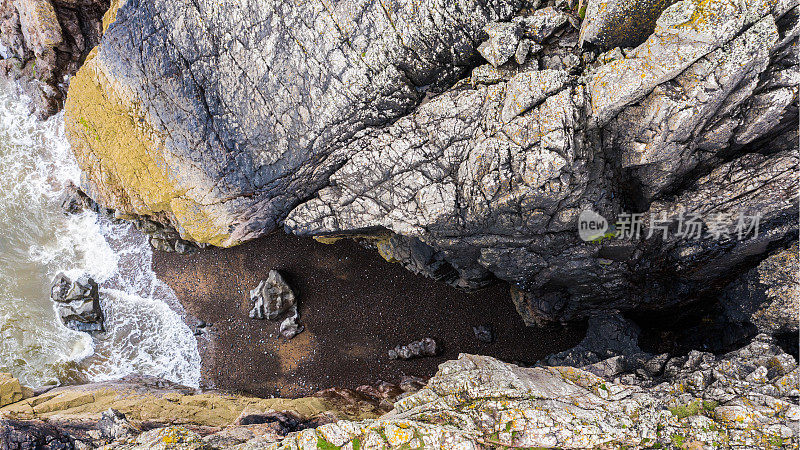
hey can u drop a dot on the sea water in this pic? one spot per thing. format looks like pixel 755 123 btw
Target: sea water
pixel 144 330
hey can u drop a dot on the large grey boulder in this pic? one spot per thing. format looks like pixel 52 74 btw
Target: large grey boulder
pixel 272 298
pixel 275 300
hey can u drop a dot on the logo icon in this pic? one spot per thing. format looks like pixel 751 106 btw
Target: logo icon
pixel 591 225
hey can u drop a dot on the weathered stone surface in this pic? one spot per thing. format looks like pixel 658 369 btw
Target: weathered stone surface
pixel 356 120
pixel 502 42
pixel 33 435
pixel 113 425
pixel 478 402
pixel 156 402
pixel 45 41
pixel 541 24
pixel 767 296
pixel 746 398
pixel 274 299
pixel 620 23
pixel 118 415
pixel 11 391
pixel 683 123
pixel 530 88
pixel 685 32
pixel 78 303
pixel 297 81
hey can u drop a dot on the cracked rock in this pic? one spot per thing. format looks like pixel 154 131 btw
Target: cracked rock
pixel 541 24
pixel 620 23
pixel 530 88
pixel 328 122
pixel 502 42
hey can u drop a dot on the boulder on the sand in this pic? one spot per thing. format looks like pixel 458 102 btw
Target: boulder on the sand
pixel 78 303
pixel 272 298
pixel 289 327
pixel 416 349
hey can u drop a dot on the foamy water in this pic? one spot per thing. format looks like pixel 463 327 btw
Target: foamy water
pixel 144 334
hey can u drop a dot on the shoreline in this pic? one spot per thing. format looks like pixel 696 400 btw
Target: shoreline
pixel 354 306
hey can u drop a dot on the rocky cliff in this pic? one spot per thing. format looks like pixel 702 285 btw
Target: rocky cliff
pixel 744 399
pixel 383 121
pixel 43 42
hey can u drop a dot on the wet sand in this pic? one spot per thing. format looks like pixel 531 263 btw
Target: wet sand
pixel 355 307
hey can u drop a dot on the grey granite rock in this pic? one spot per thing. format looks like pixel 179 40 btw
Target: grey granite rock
pixel 113 425
pixel 527 89
pixel 417 349
pixel 541 24
pixel 255 102
pixel 479 402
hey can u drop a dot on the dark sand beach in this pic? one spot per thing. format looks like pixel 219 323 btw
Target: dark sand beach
pixel 355 307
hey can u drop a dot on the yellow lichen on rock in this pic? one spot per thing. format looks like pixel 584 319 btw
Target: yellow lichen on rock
pixel 123 157
pixel 111 15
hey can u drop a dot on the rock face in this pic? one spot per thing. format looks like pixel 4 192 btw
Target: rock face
pixel 479 402
pixel 117 414
pixel 767 296
pixel 746 398
pixel 378 121
pixel 33 434
pixel 299 81
pixel 78 303
pixel 43 41
pixel 11 391
pixel 620 23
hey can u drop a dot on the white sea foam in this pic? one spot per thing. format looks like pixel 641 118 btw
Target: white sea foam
pixel 144 334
